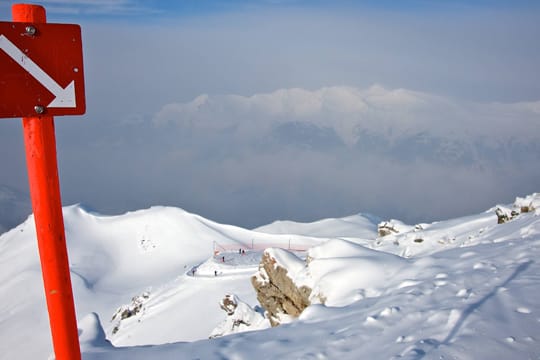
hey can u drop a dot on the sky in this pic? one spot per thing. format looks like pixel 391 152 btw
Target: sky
pixel 247 112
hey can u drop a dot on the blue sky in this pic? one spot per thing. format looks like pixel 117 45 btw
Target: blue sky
pixel 155 9
pixel 149 64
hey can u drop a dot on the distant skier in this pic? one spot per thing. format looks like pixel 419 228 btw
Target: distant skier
pixel 215 272
pixel 223 259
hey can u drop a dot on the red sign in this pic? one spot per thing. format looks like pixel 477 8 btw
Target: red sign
pixel 41 70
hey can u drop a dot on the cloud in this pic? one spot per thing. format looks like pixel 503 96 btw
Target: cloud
pixel 352 111
pixel 463 55
pixel 305 153
pixel 291 126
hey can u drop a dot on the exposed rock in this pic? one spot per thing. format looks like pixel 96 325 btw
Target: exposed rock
pixel 525 209
pixel 229 304
pixel 502 215
pixel 276 291
pixel 240 317
pixel 333 271
pixel 528 204
pixel 505 214
pixel 386 228
pixel 129 310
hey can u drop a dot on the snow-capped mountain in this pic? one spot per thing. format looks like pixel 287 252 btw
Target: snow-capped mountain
pixel 464 288
pixel 299 151
pixel 399 124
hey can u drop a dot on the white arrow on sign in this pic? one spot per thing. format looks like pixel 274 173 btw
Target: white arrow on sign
pixel 64 97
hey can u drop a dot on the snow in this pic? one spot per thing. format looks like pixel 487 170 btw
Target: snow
pixel 91 334
pixel 358 226
pixel 346 272
pixel 468 290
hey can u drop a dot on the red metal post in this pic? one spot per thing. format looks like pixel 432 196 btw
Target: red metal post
pixel 40 145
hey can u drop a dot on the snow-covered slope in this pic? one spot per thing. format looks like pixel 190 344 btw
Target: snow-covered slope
pixel 358 226
pixel 469 289
pixel 116 258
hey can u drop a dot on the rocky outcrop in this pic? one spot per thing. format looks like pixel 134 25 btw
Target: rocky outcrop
pixel 504 215
pixel 528 204
pixel 276 291
pixel 129 310
pixel 334 273
pixel 240 317
pixel 229 305
pixel 525 205
pixel 386 228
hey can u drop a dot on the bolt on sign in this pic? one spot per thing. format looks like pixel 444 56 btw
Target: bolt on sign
pixel 41 70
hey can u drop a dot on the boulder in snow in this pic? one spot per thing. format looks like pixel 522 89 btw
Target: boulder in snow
pixel 386 228
pixel 126 311
pixel 528 204
pixel 276 290
pixel 392 227
pixel 240 317
pixel 335 273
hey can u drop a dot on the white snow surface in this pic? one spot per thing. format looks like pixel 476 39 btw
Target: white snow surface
pixel 466 288
pixel 358 226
